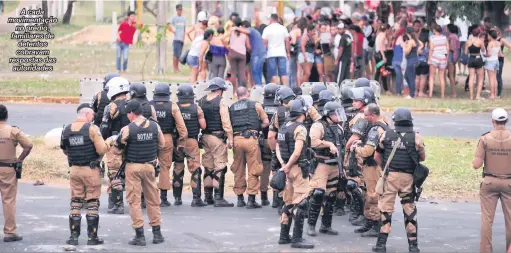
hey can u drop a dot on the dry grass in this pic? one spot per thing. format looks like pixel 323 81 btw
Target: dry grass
pixel 449 160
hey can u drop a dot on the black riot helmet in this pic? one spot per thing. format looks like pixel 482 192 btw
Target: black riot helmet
pixel 402 114
pixel 107 78
pixel 284 94
pixel 346 100
pixel 216 83
pixel 296 109
pixel 161 92
pixel 185 93
pixel 360 94
pixel 270 91
pixel 334 108
pixel 325 96
pixel 362 82
pixel 316 89
pixel 137 90
pixel 372 98
pixel 297 90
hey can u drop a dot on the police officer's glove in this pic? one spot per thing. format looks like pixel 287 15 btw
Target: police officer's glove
pixel 333 149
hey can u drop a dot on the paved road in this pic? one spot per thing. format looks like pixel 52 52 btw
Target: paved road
pixel 43 221
pixel 38 119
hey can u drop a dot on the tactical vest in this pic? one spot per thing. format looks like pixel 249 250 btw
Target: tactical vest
pixel 142 146
pixel 191 119
pixel 244 116
pixel 281 115
pixel 498 155
pixel 350 113
pixel 269 109
pixel 402 161
pixel 286 141
pixel 331 133
pixel 79 146
pixel 371 126
pixel 146 108
pixel 211 111
pixel 102 103
pixel 122 117
pixel 165 118
pixel 307 123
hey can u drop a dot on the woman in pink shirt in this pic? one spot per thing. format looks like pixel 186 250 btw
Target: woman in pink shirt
pixel 238 45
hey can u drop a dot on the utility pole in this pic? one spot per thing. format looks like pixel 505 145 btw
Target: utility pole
pixel 162 45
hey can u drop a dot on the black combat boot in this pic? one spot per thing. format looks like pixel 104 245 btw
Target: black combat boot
pixel 208 195
pixel 196 191
pixel 142 201
pixel 139 239
pixel 297 240
pixel 285 238
pixel 340 204
pixel 381 243
pixel 13 238
pixel 111 202
pixel 314 209
pixel 177 187
pixel 219 193
pixel 366 227
pixel 241 201
pixel 328 213
pixel 275 201
pixel 163 199
pixel 280 205
pixel 413 246
pixel 264 199
pixel 75 222
pixel 92 230
pixel 157 237
pixel 252 202
pixel 118 202
pixel 374 231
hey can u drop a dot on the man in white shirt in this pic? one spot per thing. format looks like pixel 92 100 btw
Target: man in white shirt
pixel 276 39
pixel 462 24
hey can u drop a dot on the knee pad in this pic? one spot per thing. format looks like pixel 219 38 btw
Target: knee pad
pixel 287 210
pixel 93 204
pixel 197 172
pixel 303 205
pixel 386 219
pixel 210 173
pixel 408 199
pixel 318 195
pixel 331 197
pixel 178 176
pixel 351 185
pixel 76 204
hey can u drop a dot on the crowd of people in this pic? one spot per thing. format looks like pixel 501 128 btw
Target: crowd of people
pixel 407 58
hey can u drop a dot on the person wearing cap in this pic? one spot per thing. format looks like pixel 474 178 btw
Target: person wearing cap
pixel 493 152
pixel 270 106
pixel 326 141
pixel 174 131
pixel 141 141
pixel 177 26
pixel 290 149
pixel 194 121
pixel 218 131
pixel 12 136
pixel 365 151
pixel 100 100
pixel 199 28
pixel 248 118
pixel 84 147
pixel 138 92
pixel 343 60
pixel 399 177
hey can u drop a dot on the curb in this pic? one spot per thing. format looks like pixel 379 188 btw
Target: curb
pixel 68 36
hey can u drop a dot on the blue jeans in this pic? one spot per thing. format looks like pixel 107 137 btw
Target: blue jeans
pixel 276 64
pixel 399 77
pixel 410 77
pixel 256 63
pixel 292 70
pixel 122 52
pixel 499 77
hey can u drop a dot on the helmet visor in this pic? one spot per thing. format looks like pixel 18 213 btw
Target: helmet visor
pixel 307 100
pixel 340 114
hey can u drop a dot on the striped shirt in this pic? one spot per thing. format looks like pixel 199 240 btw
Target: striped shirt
pixel 439 47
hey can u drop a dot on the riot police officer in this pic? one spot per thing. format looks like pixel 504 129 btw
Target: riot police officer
pixel 364 149
pixel 84 147
pixel 270 106
pixel 173 128
pixel 291 151
pixel 11 136
pixel 138 92
pixel 141 141
pixel 218 130
pixel 194 121
pixel 316 89
pixel 114 119
pixel 326 141
pixel 324 97
pixel 247 118
pixel 100 100
pixel 400 178
pixel 284 95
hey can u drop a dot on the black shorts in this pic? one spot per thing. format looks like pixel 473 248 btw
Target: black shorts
pixel 475 61
pixel 422 69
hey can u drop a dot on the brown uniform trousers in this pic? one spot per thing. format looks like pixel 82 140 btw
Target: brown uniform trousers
pixel 246 153
pixel 214 158
pixel 264 179
pixel 140 177
pixel 398 184
pixel 297 189
pixel 192 147
pixel 371 176
pixel 85 185
pixel 325 177
pixel 493 189
pixel 11 137
pixel 165 159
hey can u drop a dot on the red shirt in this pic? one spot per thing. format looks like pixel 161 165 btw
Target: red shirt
pixel 360 43
pixel 127 32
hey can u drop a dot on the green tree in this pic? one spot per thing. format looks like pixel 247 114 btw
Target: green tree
pixel 475 11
